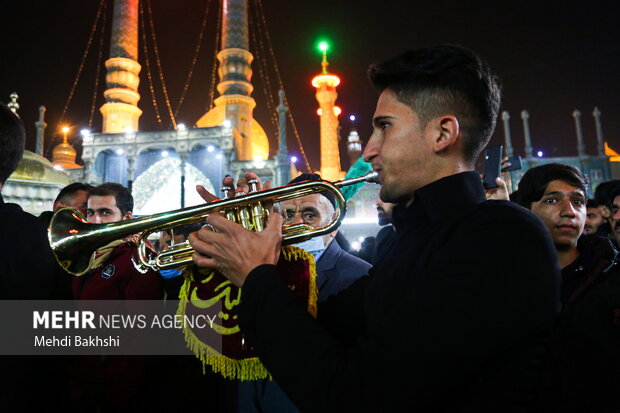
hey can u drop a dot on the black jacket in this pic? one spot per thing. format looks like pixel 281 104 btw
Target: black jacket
pixel 440 324
pixel 336 270
pixel 583 370
pixel 27 267
pixel 28 271
pixel 385 240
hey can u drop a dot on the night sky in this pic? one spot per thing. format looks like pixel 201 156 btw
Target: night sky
pixel 552 57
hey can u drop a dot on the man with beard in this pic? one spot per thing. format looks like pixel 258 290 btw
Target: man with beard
pixel 594 217
pixel 386 235
pixel 118 382
pixel 583 369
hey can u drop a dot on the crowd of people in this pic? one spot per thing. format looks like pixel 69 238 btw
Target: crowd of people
pixel 466 301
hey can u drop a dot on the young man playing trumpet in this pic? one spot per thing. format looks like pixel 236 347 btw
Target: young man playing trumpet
pixel 441 324
pixel 113 382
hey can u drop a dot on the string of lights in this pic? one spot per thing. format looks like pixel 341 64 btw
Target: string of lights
pixel 98 70
pixel 281 86
pixel 218 31
pixel 79 72
pixel 262 70
pixel 147 60
pixel 194 59
pixel 158 62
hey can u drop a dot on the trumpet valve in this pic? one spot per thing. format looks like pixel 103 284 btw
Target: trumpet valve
pixel 225 189
pixel 259 216
pixel 245 218
pixel 253 184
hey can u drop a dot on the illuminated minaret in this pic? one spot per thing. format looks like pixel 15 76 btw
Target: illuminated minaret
pixel 235 103
pixel 354 143
pixel 326 95
pixel 121 112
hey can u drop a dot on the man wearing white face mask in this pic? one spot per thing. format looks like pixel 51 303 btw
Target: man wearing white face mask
pixel 336 269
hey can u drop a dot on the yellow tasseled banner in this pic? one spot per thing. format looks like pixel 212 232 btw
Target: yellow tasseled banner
pixel 293 253
pixel 247 368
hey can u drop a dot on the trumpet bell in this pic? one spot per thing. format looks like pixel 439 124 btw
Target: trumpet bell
pixel 71 245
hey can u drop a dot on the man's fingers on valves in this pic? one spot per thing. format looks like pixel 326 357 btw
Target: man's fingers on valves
pixel 204 194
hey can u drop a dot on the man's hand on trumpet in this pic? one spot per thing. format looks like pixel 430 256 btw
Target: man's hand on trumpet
pixel 231 249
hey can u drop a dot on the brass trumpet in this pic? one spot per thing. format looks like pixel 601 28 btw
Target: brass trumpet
pixel 74 240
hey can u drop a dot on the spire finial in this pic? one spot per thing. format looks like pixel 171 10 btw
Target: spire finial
pixel 65 129
pixel 13 105
pixel 324 47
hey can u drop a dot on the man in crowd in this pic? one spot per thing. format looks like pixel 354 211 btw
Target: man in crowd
pixel 27 272
pixel 387 234
pixel 584 363
pixel 335 269
pixel 615 214
pixel 594 217
pixel 441 323
pixel 604 195
pixel 71 196
pixel 114 382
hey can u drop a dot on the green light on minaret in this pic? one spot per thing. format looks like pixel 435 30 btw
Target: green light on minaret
pixel 324 47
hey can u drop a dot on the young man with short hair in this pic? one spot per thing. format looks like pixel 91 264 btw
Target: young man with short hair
pixel 114 382
pixel 386 235
pixel 440 324
pixel 71 196
pixel 594 217
pixel 583 369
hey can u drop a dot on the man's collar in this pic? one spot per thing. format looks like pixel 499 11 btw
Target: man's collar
pixel 327 260
pixel 442 198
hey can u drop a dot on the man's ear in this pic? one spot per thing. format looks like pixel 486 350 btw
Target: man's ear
pixel 605 211
pixel 127 215
pixel 447 132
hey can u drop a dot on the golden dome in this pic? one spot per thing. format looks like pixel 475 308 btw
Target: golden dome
pixel 34 167
pixel 260 143
pixel 64 156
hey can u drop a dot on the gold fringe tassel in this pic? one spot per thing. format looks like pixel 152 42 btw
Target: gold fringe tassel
pixel 250 368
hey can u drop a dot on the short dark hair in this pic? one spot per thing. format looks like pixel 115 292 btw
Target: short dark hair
pixel 70 190
pixel 605 192
pixel 124 200
pixel 534 182
pixel 315 177
pixel 592 203
pixel 445 79
pixel 12 141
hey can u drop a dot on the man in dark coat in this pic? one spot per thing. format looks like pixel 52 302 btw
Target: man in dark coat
pixel 583 369
pixel 120 381
pixel 28 271
pixel 441 324
pixel 335 271
pixel 386 235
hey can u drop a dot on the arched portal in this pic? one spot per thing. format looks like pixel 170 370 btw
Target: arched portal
pixel 158 189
